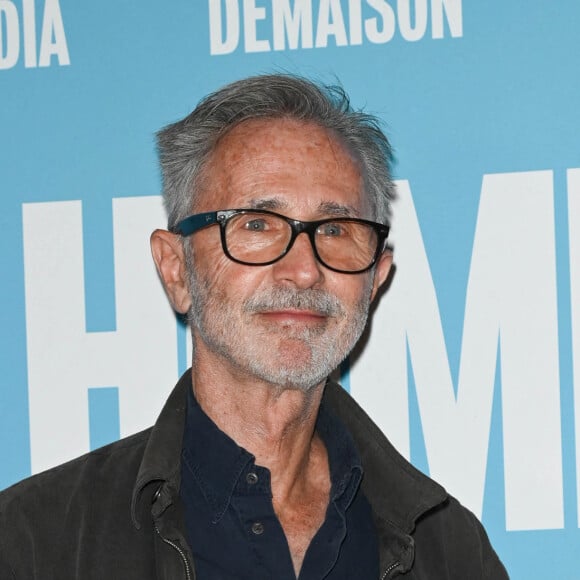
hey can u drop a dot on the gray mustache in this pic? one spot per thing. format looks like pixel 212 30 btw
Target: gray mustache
pixel 317 301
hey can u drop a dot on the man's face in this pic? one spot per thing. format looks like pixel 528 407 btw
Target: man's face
pixel 292 322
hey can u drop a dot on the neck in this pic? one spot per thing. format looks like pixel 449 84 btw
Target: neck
pixel 276 425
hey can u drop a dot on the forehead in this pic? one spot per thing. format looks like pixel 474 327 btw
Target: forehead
pixel 300 164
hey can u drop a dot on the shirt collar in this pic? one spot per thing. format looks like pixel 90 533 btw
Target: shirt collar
pixel 216 462
pixel 343 457
pixel 212 458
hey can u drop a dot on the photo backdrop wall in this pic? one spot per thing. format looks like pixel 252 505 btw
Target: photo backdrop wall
pixel 472 364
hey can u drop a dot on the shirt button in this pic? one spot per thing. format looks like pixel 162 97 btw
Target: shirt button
pixel 252 478
pixel 257 528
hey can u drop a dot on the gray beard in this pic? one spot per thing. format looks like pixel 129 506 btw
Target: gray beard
pixel 326 348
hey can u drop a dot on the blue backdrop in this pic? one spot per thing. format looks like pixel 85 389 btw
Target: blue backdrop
pixel 473 363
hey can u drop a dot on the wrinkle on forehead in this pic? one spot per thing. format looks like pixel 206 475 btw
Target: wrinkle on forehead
pixel 315 139
pixel 257 160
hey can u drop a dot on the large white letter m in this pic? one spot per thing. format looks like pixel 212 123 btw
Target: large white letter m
pixel 511 301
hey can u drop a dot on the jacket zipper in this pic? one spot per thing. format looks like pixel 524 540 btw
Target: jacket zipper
pixel 389 569
pixel 179 551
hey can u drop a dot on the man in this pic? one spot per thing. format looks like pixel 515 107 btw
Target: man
pixel 258 467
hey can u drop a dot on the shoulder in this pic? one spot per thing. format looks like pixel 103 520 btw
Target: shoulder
pixel 121 458
pixel 411 507
pixel 56 514
pixel 35 510
pixel 51 514
pixel 450 529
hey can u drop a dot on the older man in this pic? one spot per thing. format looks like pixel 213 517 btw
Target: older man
pixel 258 467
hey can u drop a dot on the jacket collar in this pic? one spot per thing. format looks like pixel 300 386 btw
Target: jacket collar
pixel 398 493
pixel 161 461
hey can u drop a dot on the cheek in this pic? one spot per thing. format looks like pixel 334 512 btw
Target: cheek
pixel 225 280
pixel 353 290
pixel 218 270
pixel 208 258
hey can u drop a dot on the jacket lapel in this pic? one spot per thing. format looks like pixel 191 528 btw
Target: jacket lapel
pixel 398 493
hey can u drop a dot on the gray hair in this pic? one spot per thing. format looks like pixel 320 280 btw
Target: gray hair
pixel 185 146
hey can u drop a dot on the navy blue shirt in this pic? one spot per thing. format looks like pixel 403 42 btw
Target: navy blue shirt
pixel 231 525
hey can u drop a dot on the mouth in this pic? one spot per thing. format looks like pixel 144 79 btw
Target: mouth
pixel 285 308
pixel 289 317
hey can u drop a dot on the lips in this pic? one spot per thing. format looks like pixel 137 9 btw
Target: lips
pixel 294 316
pixel 294 304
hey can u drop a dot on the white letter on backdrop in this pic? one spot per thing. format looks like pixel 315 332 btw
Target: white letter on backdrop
pixel 29 26
pixel 219 45
pixel 453 12
pixel 409 32
pixel 574 236
pixel 52 26
pixel 9 15
pixel 140 357
pixel 384 33
pixel 251 15
pixel 330 23
pixel 296 24
pixel 512 291
pixel 355 22
pixel 511 296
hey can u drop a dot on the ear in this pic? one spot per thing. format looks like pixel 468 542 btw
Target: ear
pixel 382 270
pixel 169 257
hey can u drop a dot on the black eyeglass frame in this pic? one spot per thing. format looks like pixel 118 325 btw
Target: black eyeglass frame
pixel 197 222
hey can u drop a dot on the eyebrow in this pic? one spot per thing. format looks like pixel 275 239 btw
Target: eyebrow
pixel 329 208
pixel 338 209
pixel 270 203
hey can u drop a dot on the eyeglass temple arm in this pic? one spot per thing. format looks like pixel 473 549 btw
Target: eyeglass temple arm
pixel 194 223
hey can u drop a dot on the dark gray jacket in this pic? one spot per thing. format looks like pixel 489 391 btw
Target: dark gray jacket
pixel 115 513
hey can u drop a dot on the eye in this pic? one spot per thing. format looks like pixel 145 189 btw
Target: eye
pixel 256 225
pixel 330 230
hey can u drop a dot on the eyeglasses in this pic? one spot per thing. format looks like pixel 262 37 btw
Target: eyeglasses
pixel 259 237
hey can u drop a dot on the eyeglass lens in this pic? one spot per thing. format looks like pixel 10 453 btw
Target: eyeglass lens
pixel 258 238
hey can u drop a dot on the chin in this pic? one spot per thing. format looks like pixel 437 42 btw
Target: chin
pixel 295 374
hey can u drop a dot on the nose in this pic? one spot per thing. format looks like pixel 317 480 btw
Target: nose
pixel 299 266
